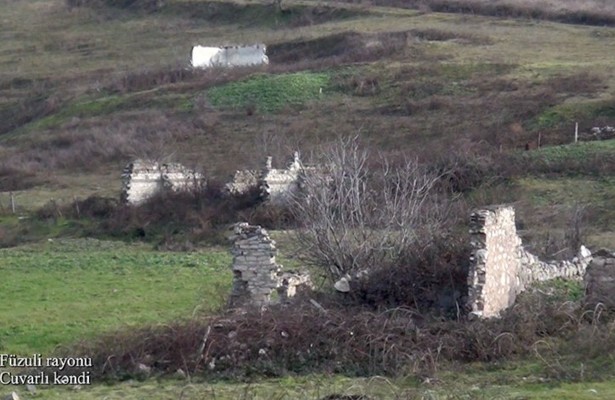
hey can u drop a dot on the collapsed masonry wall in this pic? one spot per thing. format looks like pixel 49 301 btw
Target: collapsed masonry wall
pixel 276 186
pixel 243 181
pixel 279 185
pixel 228 56
pixel 599 282
pixel 494 265
pixel 500 268
pixel 255 271
pixel 141 179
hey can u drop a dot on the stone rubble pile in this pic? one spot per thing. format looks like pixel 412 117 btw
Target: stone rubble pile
pixel 603 133
pixel 242 182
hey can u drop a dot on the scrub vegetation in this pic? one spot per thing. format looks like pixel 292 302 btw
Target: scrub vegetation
pixel 482 97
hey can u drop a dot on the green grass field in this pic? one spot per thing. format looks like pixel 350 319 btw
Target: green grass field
pixel 65 290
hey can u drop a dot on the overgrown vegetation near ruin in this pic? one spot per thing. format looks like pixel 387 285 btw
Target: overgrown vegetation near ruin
pixel 457 89
pixel 301 338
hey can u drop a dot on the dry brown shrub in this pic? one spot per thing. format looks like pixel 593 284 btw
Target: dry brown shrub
pixel 201 214
pixel 301 338
pixel 17 178
pixel 590 12
pixel 339 48
pixel 86 147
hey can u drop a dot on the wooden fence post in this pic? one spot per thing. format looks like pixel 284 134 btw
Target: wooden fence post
pixel 12 202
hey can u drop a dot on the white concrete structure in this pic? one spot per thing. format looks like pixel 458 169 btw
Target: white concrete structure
pixel 228 56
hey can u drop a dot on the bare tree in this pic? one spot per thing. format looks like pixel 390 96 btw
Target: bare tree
pixel 357 214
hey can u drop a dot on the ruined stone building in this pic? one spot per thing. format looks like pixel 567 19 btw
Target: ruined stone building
pixel 142 179
pixel 256 274
pixel 500 268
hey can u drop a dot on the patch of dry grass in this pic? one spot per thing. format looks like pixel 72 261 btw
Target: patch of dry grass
pixel 591 12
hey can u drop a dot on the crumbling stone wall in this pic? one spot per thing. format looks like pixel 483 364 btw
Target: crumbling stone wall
pixel 278 185
pixel 255 271
pixel 599 282
pixel 500 268
pixel 141 179
pixel 494 265
pixel 243 181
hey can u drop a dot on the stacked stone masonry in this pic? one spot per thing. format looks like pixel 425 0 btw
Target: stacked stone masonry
pixel 279 185
pixel 255 271
pixel 500 268
pixel 600 282
pixel 142 179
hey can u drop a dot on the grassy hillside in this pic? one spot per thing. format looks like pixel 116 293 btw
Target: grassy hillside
pixel 78 95
pixel 88 85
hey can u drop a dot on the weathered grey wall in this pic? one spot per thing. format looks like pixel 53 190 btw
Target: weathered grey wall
pixel 500 268
pixel 599 282
pixel 276 185
pixel 255 271
pixel 141 179
pixel 495 265
pixel 243 181
pixel 279 185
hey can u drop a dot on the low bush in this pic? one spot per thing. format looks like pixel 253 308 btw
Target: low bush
pixel 432 280
pixel 177 219
pixel 301 338
pixel 12 178
pixel 592 12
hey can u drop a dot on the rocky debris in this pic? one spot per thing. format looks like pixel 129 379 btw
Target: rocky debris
pixel 143 370
pixel 180 374
pixel 290 282
pixel 603 133
pixel 242 182
pixel 342 285
pixel 599 282
pixel 11 396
